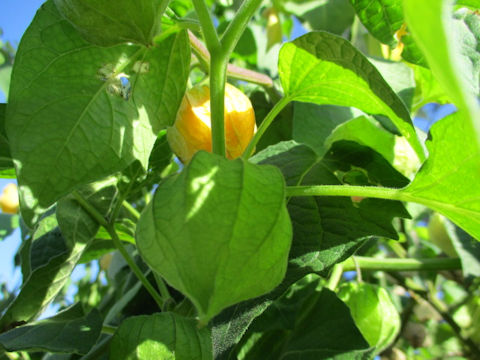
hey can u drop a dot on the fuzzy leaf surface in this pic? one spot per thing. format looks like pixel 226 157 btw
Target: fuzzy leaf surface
pixel 70 331
pixel 219 232
pixel 160 336
pixel 70 127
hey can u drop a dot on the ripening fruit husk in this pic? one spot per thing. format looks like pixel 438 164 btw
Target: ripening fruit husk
pixel 373 312
pixel 9 199
pixel 191 131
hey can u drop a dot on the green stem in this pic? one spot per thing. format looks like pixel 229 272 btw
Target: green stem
pixel 134 212
pixel 346 190
pixel 434 264
pixel 264 126
pixel 335 276
pixel 218 72
pixel 237 26
pixel 92 211
pixel 167 298
pixel 208 28
pixel 107 329
pixel 136 270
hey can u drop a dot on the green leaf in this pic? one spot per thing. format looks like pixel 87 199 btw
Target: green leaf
pixel 160 336
pixel 382 18
pixel 373 311
pixel 5 157
pixel 107 23
pixel 448 180
pixel 313 124
pixel 218 232
pixel 474 4
pixel 334 16
pixel 326 69
pixel 318 239
pixel 8 223
pixel 450 48
pixel 69 331
pixel 86 124
pixel 54 253
pixel 324 329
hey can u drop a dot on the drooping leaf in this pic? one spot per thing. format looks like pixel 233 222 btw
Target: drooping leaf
pixel 160 336
pixel 107 23
pixel 68 128
pixel 318 239
pixel 219 232
pixel 326 69
pixel 323 329
pixel 450 47
pixel 448 180
pixel 70 331
pixel 384 20
pixel 54 253
pixel 5 73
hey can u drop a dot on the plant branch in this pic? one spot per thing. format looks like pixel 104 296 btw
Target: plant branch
pixel 218 72
pixel 264 126
pixel 134 212
pixel 91 210
pixel 345 190
pixel 430 264
pixel 133 266
pixel 422 295
pixel 208 28
pixel 335 276
pixel 237 26
pixel 234 72
pixel 107 329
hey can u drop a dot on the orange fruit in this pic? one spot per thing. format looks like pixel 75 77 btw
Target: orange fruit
pixel 9 199
pixel 191 131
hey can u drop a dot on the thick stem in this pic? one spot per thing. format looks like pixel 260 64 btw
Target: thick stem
pixel 264 126
pixel 218 69
pixel 435 264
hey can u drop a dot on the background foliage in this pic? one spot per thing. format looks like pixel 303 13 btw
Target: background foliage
pixel 349 233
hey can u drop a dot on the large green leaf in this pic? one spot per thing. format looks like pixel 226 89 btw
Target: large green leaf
pixel 54 253
pixel 219 232
pixel 322 329
pixel 160 336
pixel 70 331
pixel 448 180
pixel 450 48
pixel 318 239
pixel 106 23
pixel 326 69
pixel 67 128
